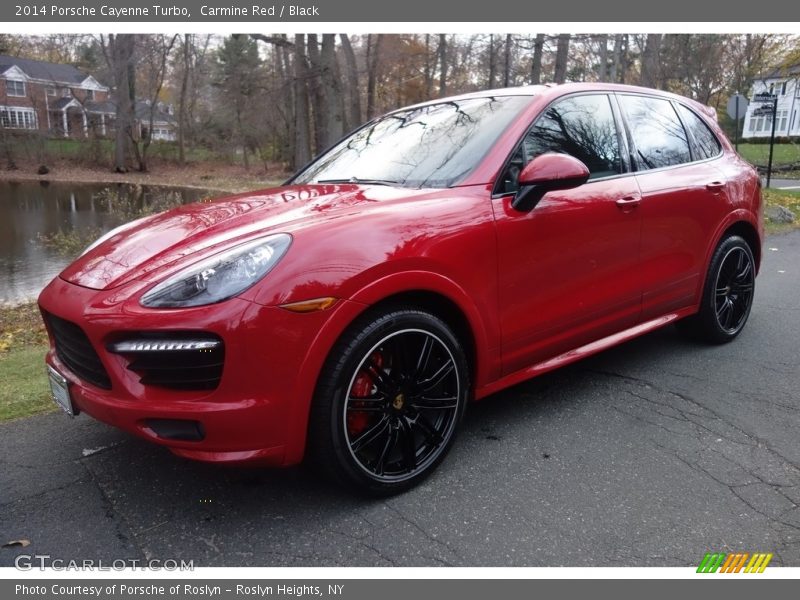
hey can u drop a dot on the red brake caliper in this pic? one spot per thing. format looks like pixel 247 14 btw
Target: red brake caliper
pixel 363 386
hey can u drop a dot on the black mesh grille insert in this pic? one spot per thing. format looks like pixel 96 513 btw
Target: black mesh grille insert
pixel 177 369
pixel 75 350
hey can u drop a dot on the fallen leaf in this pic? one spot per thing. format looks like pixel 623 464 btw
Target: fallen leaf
pixel 15 543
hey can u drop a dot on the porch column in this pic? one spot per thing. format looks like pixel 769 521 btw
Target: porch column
pixel 103 124
pixel 66 122
pixel 85 124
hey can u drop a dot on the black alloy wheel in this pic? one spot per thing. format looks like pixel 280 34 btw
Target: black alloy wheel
pixel 727 294
pixel 387 410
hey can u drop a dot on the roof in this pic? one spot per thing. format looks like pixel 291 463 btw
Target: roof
pixel 782 72
pixel 142 111
pixel 38 69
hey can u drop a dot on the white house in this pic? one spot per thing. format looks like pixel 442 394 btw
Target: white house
pixel 785 83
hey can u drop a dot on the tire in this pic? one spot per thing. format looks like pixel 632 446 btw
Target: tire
pixel 727 294
pixel 389 401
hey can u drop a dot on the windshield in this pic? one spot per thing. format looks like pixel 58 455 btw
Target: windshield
pixel 429 146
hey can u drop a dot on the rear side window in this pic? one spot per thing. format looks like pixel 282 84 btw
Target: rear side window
pixel 657 132
pixel 706 144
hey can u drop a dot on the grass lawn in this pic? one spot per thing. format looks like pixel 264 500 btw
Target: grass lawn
pixel 24 389
pixel 758 154
pixel 788 198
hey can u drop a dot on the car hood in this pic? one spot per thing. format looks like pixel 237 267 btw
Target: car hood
pixel 202 228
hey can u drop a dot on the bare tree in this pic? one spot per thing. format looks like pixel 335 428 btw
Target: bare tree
pixel 373 62
pixel 602 55
pixel 354 114
pixel 302 140
pixel 536 63
pixel 562 57
pixel 118 50
pixel 650 60
pixel 442 65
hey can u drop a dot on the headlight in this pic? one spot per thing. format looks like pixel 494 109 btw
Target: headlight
pixel 220 276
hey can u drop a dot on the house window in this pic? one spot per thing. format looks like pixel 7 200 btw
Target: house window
pixel 760 124
pixel 783 115
pixel 51 90
pixel 14 117
pixel 15 88
pixel 752 124
pixel 783 88
pixel 89 94
pixel 771 89
pixel 66 93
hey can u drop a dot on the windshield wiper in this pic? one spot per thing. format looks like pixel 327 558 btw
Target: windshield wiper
pixel 359 180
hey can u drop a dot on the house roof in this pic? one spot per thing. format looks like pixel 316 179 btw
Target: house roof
pixel 38 69
pixel 142 111
pixel 783 72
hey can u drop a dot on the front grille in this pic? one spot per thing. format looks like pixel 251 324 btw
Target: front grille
pixel 75 350
pixel 175 360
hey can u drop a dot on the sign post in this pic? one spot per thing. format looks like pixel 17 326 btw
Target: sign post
pixel 768 106
pixel 772 138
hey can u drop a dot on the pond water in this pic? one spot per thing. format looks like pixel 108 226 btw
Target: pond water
pixel 30 212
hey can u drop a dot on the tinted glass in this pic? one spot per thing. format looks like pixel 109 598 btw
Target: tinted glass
pixel 706 143
pixel 431 146
pixel 658 135
pixel 582 127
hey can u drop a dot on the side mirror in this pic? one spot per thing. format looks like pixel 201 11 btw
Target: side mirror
pixel 546 173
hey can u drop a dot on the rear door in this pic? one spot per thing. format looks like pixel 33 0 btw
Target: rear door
pixel 683 194
pixel 568 270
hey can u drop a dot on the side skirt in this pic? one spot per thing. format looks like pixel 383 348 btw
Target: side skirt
pixel 582 352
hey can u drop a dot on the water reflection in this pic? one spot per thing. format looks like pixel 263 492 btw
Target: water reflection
pixel 29 210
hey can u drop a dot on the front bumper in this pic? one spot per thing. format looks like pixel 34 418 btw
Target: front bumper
pixel 257 414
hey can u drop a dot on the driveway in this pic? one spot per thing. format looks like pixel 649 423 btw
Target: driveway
pixel 650 454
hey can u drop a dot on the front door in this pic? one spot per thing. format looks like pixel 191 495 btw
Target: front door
pixel 568 270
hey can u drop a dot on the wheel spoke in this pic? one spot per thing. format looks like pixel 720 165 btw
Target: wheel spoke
pixel 379 377
pixel 371 434
pixel 424 403
pixel 369 404
pixel 426 385
pixel 408 447
pixel 391 442
pixel 424 356
pixel 432 436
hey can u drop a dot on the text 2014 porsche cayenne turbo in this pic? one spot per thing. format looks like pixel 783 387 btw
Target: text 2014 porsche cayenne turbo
pixel 437 255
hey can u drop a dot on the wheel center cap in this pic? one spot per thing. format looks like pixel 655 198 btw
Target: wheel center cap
pixel 399 401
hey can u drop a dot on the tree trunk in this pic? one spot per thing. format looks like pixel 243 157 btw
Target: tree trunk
pixel 562 57
pixel 650 56
pixel 319 93
pixel 333 88
pixel 373 64
pixel 615 61
pixel 182 99
pixel 536 64
pixel 354 114
pixel 442 65
pixel 428 68
pixel 120 59
pixel 302 145
pixel 492 67
pixel 507 62
pixel 602 70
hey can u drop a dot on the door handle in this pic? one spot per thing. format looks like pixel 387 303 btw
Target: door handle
pixel 628 202
pixel 715 186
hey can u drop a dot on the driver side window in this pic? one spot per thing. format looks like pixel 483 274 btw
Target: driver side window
pixel 581 126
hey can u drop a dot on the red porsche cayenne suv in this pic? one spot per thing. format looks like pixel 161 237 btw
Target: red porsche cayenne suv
pixel 436 255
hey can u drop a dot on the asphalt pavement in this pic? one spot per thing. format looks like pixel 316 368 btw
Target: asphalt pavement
pixel 649 454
